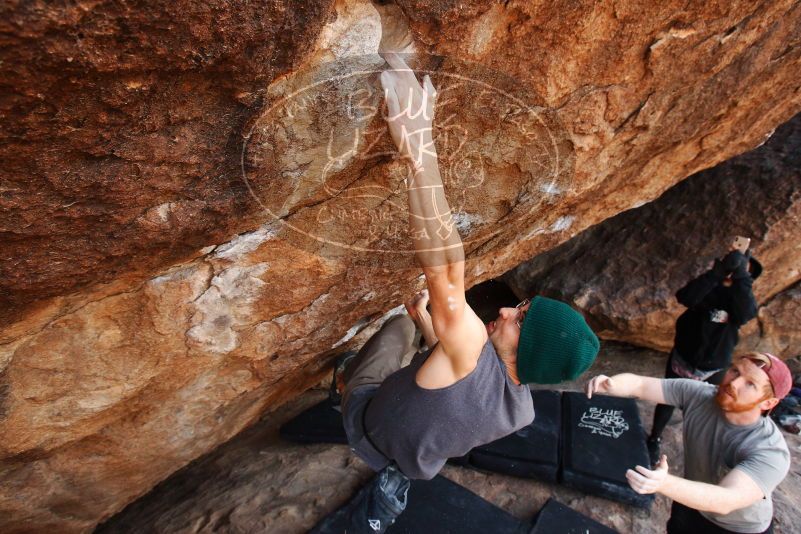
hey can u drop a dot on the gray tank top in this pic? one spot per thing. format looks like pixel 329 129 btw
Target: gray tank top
pixel 421 428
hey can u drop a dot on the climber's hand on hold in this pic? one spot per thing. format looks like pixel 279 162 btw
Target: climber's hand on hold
pixel 410 112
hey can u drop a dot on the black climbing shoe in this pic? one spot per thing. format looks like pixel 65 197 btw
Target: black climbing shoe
pixel 376 509
pixel 654 448
pixel 334 395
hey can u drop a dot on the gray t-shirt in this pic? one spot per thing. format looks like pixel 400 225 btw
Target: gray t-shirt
pixel 420 428
pixel 713 447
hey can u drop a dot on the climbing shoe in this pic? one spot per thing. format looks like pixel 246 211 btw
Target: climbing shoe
pixel 374 510
pixel 334 393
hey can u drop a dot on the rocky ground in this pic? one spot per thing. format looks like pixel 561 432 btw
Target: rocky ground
pixel 259 483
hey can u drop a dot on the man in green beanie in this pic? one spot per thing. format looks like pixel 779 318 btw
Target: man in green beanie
pixel 469 388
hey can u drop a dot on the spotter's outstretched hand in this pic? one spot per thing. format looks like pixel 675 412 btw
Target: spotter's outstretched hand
pixel 646 481
pixel 600 384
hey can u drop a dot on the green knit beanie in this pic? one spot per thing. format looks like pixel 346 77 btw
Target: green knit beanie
pixel 556 345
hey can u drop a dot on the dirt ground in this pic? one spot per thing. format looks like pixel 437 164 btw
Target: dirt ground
pixel 258 483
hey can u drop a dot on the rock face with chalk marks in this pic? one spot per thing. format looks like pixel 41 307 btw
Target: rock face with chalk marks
pixel 623 274
pixel 150 308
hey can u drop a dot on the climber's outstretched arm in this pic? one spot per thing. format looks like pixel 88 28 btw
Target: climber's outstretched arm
pixel 438 247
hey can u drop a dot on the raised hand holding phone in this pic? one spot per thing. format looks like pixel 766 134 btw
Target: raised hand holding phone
pixel 741 243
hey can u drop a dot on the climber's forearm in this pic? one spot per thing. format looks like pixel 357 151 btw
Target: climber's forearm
pixel 436 240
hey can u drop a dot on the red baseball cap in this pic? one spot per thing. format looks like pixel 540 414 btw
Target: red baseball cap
pixel 781 380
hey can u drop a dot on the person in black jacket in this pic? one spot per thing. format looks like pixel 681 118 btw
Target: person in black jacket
pixel 718 303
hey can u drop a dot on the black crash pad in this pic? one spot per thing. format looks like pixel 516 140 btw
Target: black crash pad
pixel 441 506
pixel 556 518
pixel 531 452
pixel 322 423
pixel 602 437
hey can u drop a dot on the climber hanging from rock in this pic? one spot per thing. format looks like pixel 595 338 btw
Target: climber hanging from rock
pixel 469 388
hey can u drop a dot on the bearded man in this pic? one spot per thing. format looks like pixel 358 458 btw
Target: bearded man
pixel 734 456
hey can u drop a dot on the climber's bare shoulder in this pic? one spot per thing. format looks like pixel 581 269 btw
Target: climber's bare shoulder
pixel 461 333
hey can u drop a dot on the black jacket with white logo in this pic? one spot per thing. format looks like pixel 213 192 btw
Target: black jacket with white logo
pixel 705 337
